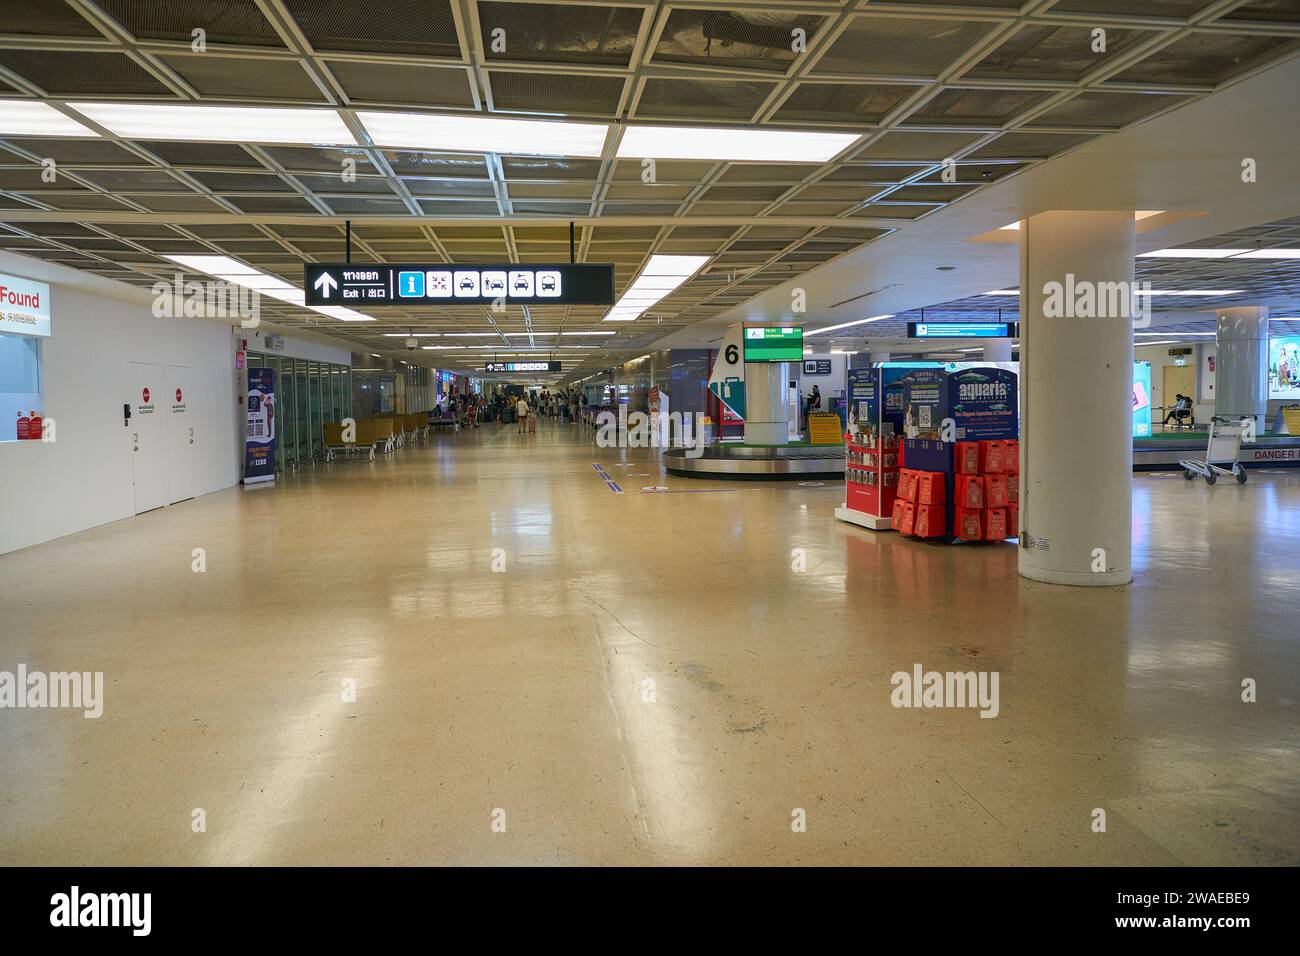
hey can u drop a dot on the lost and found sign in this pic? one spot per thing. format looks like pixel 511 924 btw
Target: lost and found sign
pixel 357 285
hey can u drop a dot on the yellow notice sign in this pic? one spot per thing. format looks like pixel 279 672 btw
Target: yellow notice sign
pixel 824 429
pixel 1291 415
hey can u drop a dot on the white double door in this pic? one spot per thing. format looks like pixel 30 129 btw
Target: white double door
pixel 161 428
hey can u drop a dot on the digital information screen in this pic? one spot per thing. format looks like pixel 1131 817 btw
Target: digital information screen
pixel 773 343
pixel 358 285
pixel 963 330
pixel 522 367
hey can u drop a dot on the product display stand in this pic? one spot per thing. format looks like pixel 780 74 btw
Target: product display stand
pixel 873 452
pixel 962 429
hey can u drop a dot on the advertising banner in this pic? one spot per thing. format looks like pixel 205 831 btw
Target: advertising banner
pixel 727 381
pixel 1284 367
pixel 1142 400
pixel 982 402
pixel 259 434
pixel 864 396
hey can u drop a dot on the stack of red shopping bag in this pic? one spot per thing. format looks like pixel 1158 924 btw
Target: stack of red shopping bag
pixel 919 508
pixel 986 481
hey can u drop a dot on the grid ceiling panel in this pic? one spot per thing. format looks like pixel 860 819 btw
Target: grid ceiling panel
pixel 997 84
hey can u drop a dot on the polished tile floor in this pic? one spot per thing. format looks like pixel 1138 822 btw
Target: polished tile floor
pixel 643 677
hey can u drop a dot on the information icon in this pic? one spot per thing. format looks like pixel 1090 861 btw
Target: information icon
pixel 410 285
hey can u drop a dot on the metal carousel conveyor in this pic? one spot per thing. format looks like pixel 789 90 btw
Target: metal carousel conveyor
pixel 1162 454
pixel 768 463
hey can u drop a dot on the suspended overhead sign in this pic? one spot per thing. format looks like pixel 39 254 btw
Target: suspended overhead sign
pixel 522 367
pixel 24 306
pixel 358 285
pixel 963 330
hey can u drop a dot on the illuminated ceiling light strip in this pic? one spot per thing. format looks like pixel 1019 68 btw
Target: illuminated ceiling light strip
pixel 664 269
pixel 845 325
pixel 29 118
pixel 1188 292
pixel 484 134
pixel 229 270
pixel 220 124
pixel 340 313
pixel 1175 333
pixel 412 335
pixel 711 143
pixel 1270 254
pixel 1190 253
pixel 215 265
pixel 589 333
pixel 1003 292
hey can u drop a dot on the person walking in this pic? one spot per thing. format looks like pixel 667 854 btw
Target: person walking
pixel 521 413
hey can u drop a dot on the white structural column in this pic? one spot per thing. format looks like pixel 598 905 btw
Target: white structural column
pixel 997 350
pixel 767 413
pixel 1241 364
pixel 1076 363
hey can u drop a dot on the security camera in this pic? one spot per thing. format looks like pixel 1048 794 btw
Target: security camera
pixel 412 344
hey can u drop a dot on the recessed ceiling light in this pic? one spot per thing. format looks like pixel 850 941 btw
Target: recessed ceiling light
pixel 214 265
pixel 29 118
pixel 340 313
pixel 412 335
pixel 588 333
pixel 484 134
pixel 1188 292
pixel 666 272
pixel 1270 254
pixel 219 124
pixel 845 325
pixel 1190 254
pixel 766 145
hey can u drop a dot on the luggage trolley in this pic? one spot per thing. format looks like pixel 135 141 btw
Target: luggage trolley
pixel 1224 446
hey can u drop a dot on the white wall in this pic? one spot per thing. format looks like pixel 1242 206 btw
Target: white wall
pixel 84 478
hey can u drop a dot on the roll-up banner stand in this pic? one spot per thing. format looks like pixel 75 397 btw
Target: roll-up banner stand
pixel 259 432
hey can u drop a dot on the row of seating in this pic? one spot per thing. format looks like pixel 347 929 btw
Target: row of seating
pixel 384 433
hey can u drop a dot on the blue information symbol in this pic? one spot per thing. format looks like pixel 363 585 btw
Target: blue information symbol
pixel 410 285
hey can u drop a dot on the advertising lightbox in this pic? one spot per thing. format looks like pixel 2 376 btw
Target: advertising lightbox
pixel 1284 367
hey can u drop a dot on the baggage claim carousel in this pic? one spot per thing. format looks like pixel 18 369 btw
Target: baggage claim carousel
pixel 738 462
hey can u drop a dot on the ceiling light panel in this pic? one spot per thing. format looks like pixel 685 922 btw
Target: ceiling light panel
pixel 484 134
pixel 738 145
pixel 219 124
pixel 26 118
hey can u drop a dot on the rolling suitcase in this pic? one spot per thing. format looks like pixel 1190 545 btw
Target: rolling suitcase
pixel 532 423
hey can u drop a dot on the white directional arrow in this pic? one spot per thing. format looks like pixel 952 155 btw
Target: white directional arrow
pixel 324 283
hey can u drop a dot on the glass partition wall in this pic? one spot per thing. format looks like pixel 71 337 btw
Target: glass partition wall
pixel 309 394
